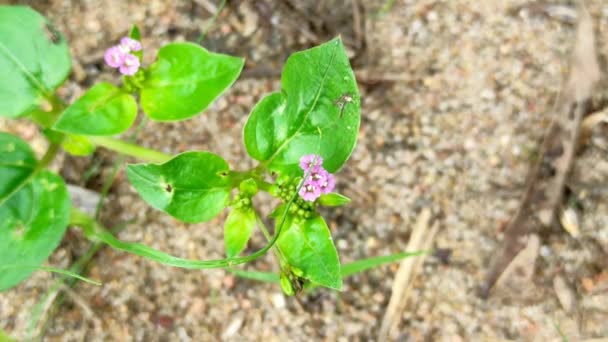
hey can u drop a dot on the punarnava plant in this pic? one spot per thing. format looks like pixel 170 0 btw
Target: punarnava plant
pixel 300 135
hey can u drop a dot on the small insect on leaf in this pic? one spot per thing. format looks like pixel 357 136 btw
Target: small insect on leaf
pixel 51 33
pixel 342 101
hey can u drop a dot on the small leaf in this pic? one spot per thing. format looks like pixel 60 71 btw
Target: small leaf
pixel 237 230
pixel 333 199
pixel 34 60
pixel 317 111
pixel 102 110
pixel 135 34
pixel 185 80
pixel 192 187
pixel 308 246
pixel 77 145
pixel 35 215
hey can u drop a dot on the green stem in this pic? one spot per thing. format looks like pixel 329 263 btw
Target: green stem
pixel 275 248
pixel 129 149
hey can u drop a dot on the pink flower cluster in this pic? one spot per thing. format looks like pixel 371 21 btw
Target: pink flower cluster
pixel 318 181
pixel 120 56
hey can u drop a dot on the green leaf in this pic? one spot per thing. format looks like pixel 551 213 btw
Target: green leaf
pixel 102 110
pixel 17 164
pixel 32 223
pixel 134 33
pixel 185 80
pixel 317 111
pixel 308 246
pixel 77 145
pixel 192 186
pixel 34 60
pixel 333 199
pixel 237 230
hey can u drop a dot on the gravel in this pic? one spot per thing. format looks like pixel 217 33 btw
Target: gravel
pixel 456 103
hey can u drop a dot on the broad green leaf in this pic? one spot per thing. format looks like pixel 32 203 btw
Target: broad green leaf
pixel 17 163
pixel 34 60
pixel 77 145
pixel 185 80
pixel 317 111
pixel 237 230
pixel 192 187
pixel 333 199
pixel 102 110
pixel 32 223
pixel 308 246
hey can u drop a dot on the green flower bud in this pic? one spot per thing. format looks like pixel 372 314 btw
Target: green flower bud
pixel 286 286
pixel 248 187
pixel 297 272
pixel 275 191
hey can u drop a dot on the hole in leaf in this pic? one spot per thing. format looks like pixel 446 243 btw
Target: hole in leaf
pixel 223 173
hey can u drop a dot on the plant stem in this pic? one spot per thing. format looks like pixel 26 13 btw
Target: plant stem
pixel 275 248
pixel 129 149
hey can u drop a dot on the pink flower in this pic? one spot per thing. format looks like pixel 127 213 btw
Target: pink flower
pixel 317 175
pixel 114 57
pixel 327 184
pixel 309 191
pixel 130 44
pixel 309 161
pixel 318 180
pixel 130 65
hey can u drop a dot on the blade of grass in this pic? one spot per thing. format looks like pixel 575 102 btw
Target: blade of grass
pixel 66 273
pixel 347 270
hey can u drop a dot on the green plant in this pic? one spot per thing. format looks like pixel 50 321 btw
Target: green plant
pixel 299 135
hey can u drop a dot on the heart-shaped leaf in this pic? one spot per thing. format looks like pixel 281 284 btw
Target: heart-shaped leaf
pixel 308 246
pixel 192 187
pixel 102 110
pixel 237 230
pixel 34 60
pixel 317 111
pixel 34 211
pixel 185 80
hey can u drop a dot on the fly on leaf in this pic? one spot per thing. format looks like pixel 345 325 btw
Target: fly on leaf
pixel 342 101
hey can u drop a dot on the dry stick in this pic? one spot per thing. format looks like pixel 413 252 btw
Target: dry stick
pixel 421 239
pixel 583 75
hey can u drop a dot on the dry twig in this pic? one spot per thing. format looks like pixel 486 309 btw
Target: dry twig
pixel 543 195
pixel 421 239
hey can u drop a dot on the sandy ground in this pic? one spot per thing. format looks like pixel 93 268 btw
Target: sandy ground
pixel 455 98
